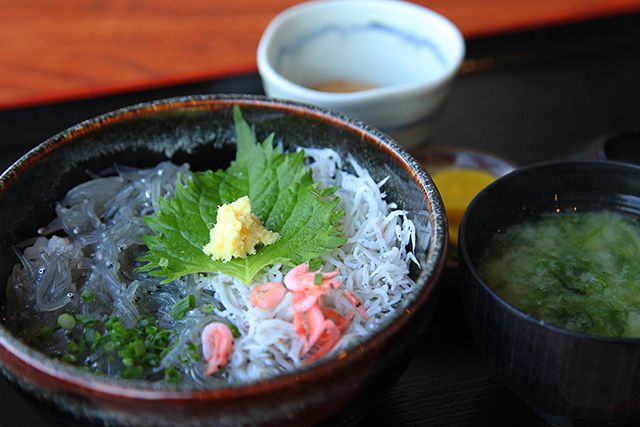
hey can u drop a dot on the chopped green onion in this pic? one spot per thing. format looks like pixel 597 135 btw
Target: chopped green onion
pixel 87 295
pixel 184 360
pixel 151 359
pixel 317 279
pixel 138 348
pixel 208 308
pixel 85 320
pixel 180 308
pixel 132 372
pixel 235 332
pixel 151 330
pixel 144 322
pixel 66 321
pixel 91 335
pixel 172 375
pixel 68 358
pixel 45 331
pixel 109 346
pixel 192 351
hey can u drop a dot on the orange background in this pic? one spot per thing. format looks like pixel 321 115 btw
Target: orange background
pixel 55 50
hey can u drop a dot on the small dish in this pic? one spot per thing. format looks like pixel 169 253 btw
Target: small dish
pixel 459 174
pixel 400 56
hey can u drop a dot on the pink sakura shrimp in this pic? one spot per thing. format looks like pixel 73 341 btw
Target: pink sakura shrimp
pixel 355 302
pixel 316 321
pixel 318 328
pixel 342 322
pixel 326 342
pixel 217 341
pixel 314 328
pixel 299 326
pixel 304 300
pixel 267 295
pixel 300 278
pixel 310 332
pixel 321 322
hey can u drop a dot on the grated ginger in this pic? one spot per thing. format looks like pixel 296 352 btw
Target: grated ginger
pixel 237 232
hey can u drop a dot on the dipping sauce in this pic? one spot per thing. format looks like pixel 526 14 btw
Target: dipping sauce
pixel 576 270
pixel 458 186
pixel 342 86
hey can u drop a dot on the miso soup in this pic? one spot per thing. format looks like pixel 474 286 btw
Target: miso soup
pixel 576 270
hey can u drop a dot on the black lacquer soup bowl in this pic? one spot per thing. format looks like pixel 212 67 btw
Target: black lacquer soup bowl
pixel 565 376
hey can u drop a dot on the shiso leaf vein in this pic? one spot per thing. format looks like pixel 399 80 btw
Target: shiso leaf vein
pixel 282 193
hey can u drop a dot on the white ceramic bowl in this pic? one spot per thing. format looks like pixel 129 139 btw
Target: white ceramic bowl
pixel 408 53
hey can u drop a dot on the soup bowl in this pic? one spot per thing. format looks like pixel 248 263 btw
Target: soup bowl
pixel 565 376
pixel 199 130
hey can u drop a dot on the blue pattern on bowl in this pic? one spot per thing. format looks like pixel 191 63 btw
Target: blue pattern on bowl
pixel 409 38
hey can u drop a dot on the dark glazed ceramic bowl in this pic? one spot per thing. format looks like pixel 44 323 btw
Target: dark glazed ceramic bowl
pixel 199 130
pixel 565 376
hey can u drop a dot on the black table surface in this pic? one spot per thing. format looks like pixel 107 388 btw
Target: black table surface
pixel 527 97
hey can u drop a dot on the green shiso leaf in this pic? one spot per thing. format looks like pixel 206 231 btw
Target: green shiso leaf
pixel 282 193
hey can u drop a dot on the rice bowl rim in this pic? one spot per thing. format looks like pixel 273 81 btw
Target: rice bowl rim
pixel 79 380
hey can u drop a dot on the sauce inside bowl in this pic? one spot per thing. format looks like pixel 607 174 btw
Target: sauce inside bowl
pixel 577 270
pixel 342 86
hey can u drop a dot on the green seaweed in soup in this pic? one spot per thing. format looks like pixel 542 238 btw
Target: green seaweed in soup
pixel 577 270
